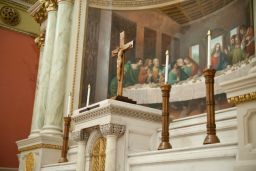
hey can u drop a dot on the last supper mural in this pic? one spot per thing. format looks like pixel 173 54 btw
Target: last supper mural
pixel 181 29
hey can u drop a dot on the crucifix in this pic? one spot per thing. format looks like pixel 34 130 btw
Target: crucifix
pixel 119 52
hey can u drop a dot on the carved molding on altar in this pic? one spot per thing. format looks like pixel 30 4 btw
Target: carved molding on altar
pixel 37 146
pixel 131 4
pixel 117 110
pixel 249 122
pixel 242 98
pixel 82 135
pixel 112 129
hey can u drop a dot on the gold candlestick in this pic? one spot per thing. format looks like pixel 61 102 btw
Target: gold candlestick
pixel 211 137
pixel 64 149
pixel 165 144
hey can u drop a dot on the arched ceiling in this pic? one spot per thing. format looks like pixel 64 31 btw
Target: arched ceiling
pixel 182 11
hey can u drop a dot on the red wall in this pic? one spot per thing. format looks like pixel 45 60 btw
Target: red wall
pixel 18 72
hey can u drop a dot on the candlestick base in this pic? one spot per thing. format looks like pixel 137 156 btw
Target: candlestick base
pixel 124 99
pixel 63 160
pixel 211 139
pixel 164 146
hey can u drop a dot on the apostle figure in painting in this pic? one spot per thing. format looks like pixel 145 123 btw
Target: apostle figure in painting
pixel 229 51
pixel 249 42
pixel 183 70
pixel 242 32
pixel 238 54
pixel 156 75
pixel 131 72
pixel 145 71
pixel 191 66
pixel 174 74
pixel 218 58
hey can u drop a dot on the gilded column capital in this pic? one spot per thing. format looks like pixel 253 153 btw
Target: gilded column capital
pixel 71 1
pixel 82 135
pixel 40 15
pixel 112 129
pixel 50 5
pixel 40 40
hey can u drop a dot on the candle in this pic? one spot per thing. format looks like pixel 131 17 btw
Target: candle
pixel 69 104
pixel 209 50
pixel 88 95
pixel 166 67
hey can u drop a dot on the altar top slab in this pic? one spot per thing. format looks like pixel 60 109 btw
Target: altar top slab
pixel 108 111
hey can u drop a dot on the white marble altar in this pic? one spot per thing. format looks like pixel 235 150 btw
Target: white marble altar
pixel 137 147
pixel 242 92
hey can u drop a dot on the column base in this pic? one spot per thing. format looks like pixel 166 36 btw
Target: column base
pixel 42 150
pixel 34 133
pixel 211 139
pixel 51 131
pixel 164 146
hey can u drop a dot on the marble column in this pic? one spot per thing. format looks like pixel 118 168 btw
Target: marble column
pixel 81 137
pixel 44 71
pixel 56 88
pixel 101 92
pixel 111 132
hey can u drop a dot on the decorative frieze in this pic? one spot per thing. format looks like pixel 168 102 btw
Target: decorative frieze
pixel 127 3
pixel 82 135
pixel 42 145
pixel 112 129
pixel 117 110
pixel 242 98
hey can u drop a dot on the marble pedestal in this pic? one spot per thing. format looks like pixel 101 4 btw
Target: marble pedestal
pixel 38 151
pixel 242 93
pixel 126 127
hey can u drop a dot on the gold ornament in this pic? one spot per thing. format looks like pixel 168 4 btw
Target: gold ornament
pixel 98 155
pixel 40 40
pixel 242 98
pixel 9 15
pixel 30 162
pixel 37 146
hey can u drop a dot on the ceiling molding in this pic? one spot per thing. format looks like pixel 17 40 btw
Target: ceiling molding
pixel 131 4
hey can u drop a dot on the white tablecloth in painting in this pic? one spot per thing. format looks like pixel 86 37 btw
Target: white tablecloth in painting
pixel 190 89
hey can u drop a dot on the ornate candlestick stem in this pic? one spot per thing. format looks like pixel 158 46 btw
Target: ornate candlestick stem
pixel 64 149
pixel 165 144
pixel 211 137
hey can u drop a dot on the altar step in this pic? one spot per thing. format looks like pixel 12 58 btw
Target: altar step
pixel 215 157
pixel 191 131
pixel 188 152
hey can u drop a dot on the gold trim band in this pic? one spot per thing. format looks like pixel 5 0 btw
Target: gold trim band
pixel 242 98
pixel 37 146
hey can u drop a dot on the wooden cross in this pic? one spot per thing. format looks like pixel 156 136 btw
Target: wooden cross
pixel 119 52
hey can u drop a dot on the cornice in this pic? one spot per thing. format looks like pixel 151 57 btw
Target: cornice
pixel 242 98
pixel 114 109
pixel 18 30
